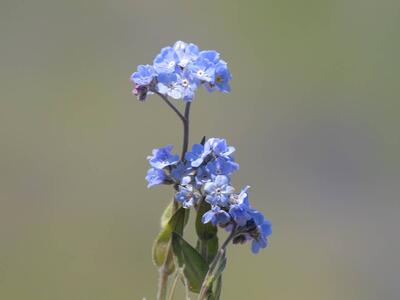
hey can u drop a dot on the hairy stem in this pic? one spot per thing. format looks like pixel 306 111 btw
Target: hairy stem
pixel 163 277
pixel 207 282
pixel 174 285
pixel 162 283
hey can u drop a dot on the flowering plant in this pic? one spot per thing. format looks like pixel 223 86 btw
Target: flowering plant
pixel 201 178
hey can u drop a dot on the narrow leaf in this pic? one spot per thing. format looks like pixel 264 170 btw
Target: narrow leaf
pixel 167 214
pixel 161 244
pixel 194 266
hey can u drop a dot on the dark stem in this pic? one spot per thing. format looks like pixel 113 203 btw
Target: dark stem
pixel 207 282
pixel 163 278
pixel 186 122
pixel 173 107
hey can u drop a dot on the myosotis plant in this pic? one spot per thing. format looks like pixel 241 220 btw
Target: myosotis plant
pixel 200 177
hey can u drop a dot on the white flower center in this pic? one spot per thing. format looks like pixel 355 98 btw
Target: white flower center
pixel 200 73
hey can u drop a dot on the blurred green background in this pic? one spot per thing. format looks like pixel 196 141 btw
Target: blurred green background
pixel 314 114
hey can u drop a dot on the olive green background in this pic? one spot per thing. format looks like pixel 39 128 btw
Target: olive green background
pixel 314 115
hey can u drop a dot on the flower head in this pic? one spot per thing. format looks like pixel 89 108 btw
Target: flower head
pixel 222 166
pixel 220 147
pixel 197 155
pixel 178 71
pixel 187 195
pixel 210 55
pixel 186 53
pixel 170 84
pixel 155 177
pixel 260 240
pixel 202 176
pixel 180 171
pixel 166 61
pixel 221 79
pixel 162 157
pixel 239 208
pixel 203 70
pixel 144 75
pixel 218 191
pixel 216 216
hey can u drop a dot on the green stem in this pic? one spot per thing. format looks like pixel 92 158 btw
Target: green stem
pixel 207 282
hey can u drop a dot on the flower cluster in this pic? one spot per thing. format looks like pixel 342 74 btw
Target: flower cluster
pixel 205 175
pixel 179 70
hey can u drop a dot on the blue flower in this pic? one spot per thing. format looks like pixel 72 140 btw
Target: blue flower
pixel 144 75
pixel 240 207
pixel 219 191
pixel 202 176
pixel 189 68
pixel 188 84
pixel 162 157
pixel 257 230
pixel 197 155
pixel 169 84
pixel 155 177
pixel 217 216
pixel 210 55
pixel 222 166
pixel 186 53
pixel 202 69
pixel 261 239
pixel 187 195
pixel 180 171
pixel 221 79
pixel 219 147
pixel 166 61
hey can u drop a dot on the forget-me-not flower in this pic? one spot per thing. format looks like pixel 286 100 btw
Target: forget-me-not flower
pixel 162 157
pixel 218 191
pixel 197 155
pixel 186 53
pixel 222 166
pixel 203 70
pixel 166 61
pixel 187 195
pixel 155 177
pixel 216 216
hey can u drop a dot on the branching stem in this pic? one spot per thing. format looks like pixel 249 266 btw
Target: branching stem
pixel 163 277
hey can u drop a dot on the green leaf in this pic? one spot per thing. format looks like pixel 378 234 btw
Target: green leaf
pixel 208 248
pixel 204 231
pixel 167 214
pixel 194 266
pixel 161 245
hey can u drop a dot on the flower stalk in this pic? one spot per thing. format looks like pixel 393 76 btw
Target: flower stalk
pixel 201 178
